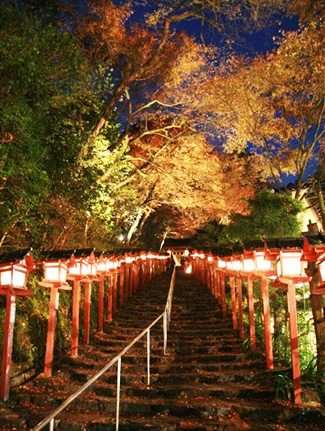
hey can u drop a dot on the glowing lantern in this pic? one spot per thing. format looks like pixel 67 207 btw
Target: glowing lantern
pixel 248 264
pixel 210 258
pixel 237 264
pixel 101 265
pixel 229 265
pixel 92 265
pixel 262 264
pixel 13 275
pixel 55 272
pixel 290 264
pixel 222 264
pixel 79 269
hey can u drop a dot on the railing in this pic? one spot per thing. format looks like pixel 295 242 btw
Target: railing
pixel 166 315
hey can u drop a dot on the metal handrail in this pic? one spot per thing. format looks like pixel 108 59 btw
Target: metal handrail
pixel 166 315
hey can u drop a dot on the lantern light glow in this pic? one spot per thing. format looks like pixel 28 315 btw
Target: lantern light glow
pixel 55 271
pixel 13 275
pixel 261 263
pixel 290 264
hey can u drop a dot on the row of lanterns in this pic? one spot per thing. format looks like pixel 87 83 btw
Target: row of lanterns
pixel 282 261
pixel 58 267
pixel 56 272
pixel 275 264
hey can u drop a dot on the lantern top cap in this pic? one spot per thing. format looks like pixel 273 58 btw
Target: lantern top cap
pixel 284 243
pixel 257 244
pixel 23 256
pixel 55 254
pixel 314 240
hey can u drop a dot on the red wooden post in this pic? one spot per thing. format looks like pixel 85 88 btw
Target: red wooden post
pixel 101 302
pixel 240 308
pixel 114 275
pixel 142 269
pixel 135 277
pixel 121 272
pixel 150 269
pixel 223 294
pixel 233 301
pixel 54 304
pixel 110 298
pixel 75 318
pixel 207 276
pixel 292 307
pixel 126 280
pixel 7 345
pixel 267 324
pixel 131 280
pixel 252 335
pixel 217 285
pixel 87 311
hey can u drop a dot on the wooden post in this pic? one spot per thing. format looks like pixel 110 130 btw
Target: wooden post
pixel 101 302
pixel 252 334
pixel 54 304
pixel 292 307
pixel 75 318
pixel 114 291
pixel 131 280
pixel 142 272
pixel 7 345
pixel 214 286
pixel 110 298
pixel 121 272
pixel 87 305
pixel 218 287
pixel 267 324
pixel 233 301
pixel 126 280
pixel 240 308
pixel 223 294
pixel 136 276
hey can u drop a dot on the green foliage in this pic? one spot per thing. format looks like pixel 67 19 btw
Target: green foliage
pixel 271 215
pixel 52 186
pixel 283 386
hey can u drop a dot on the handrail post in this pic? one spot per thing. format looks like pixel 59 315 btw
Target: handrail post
pixel 148 357
pixel 118 393
pixel 51 427
pixel 165 331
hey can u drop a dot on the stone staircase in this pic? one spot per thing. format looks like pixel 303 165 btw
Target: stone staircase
pixel 205 382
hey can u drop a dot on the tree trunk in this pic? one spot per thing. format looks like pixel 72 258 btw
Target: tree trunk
pixel 134 226
pixel 318 310
pixel 321 203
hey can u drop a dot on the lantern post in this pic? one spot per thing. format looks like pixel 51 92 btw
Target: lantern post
pixel 91 276
pixel 14 271
pixel 248 269
pixel 77 272
pixel 240 308
pixel 55 278
pixel 251 311
pixel 101 271
pixel 264 270
pixel 121 271
pixel 291 271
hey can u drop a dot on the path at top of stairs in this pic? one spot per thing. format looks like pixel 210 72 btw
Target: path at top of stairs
pixel 205 382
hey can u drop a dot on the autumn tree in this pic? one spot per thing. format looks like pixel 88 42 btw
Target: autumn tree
pixel 273 105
